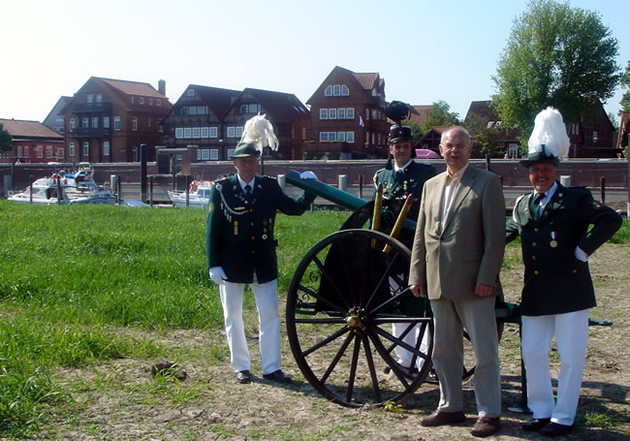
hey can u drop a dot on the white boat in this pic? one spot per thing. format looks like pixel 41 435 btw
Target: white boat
pixel 75 188
pixel 45 191
pixel 198 195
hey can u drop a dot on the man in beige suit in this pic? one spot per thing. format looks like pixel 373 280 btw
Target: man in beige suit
pixel 456 259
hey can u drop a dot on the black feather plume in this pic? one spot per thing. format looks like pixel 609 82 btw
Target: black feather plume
pixel 398 111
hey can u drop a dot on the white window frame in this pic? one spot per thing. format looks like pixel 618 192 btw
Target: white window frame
pixel 214 132
pixel 350 113
pixel 239 131
pixel 344 90
pixel 158 102
pixel 341 136
pixel 204 132
pixel 134 123
pixel 72 149
pixel 85 122
pixel 90 98
pixel 39 151
pixel 49 151
pixel 196 132
pixel 117 123
pixel 99 97
pixel 72 124
pixel 595 137
pixel 214 154
pixel 95 122
pixel 187 132
pixel 86 149
pixel 230 152
pixel 106 148
pixel 179 133
pixel 332 113
pixel 106 122
pixel 323 136
pixel 350 137
pixel 328 90
pixel 205 154
pixel 60 152
pixel 141 100
pixel 341 113
pixel 323 114
pixel 337 90
pixel 190 92
pixel 231 132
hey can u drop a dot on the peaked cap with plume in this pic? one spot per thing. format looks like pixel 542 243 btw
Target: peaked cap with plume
pixel 549 141
pixel 257 134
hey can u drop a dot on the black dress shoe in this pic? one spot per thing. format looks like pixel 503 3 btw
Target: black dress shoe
pixel 277 376
pixel 535 424
pixel 243 377
pixel 486 426
pixel 555 429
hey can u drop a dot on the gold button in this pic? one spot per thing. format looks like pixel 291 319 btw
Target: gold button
pixel 253 238
pixel 536 273
pixel 574 271
pixel 533 244
pixel 253 252
pixel 533 257
pixel 536 230
pixel 251 223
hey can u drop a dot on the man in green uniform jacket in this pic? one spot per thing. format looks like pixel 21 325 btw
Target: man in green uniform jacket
pixel 553 222
pixel 242 250
pixel 405 177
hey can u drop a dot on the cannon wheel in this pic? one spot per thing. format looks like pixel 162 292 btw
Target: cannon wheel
pixel 342 302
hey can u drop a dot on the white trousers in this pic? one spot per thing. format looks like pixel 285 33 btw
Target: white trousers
pixel 266 295
pixel 571 331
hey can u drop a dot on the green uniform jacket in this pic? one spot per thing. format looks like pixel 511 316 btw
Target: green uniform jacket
pixel 555 281
pixel 395 191
pixel 239 235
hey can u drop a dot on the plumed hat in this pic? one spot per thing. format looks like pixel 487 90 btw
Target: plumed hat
pixel 549 141
pixel 257 134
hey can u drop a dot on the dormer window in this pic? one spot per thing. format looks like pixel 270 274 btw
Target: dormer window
pixel 328 91
pixel 141 100
pixel 344 90
pixel 90 99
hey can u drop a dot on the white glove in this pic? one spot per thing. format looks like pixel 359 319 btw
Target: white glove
pixel 308 175
pixel 217 275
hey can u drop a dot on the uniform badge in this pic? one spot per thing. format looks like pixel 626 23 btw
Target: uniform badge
pixel 211 207
pixel 596 205
pixel 553 243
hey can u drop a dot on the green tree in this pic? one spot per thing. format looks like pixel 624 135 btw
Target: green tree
pixel 485 139
pixel 555 56
pixel 416 131
pixel 440 115
pixel 625 83
pixel 6 140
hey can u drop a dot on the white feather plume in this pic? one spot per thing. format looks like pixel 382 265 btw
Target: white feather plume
pixel 550 132
pixel 259 131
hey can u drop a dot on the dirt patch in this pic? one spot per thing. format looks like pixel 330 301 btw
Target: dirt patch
pixel 121 400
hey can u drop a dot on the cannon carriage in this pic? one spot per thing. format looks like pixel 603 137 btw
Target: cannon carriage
pixel 345 296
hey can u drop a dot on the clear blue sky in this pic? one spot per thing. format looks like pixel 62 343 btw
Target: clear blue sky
pixel 425 50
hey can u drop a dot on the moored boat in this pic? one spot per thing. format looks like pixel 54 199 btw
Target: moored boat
pixel 198 195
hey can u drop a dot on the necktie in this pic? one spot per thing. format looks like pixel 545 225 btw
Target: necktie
pixel 535 207
pixel 248 191
pixel 398 177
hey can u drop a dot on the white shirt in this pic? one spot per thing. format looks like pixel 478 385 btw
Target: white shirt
pixel 452 184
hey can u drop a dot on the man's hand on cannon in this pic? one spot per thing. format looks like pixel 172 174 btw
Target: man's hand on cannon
pixel 418 290
pixel 308 175
pixel 217 275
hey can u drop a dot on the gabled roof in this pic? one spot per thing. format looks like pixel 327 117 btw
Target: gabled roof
pixel 482 108
pixel 28 129
pixel 218 100
pixel 624 129
pixel 61 102
pixel 419 115
pixel 365 80
pixel 131 87
pixel 281 106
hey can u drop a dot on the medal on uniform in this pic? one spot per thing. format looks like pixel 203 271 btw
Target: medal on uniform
pixel 553 242
pixel 236 228
pixel 264 237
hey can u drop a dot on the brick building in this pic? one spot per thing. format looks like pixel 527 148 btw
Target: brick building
pixel 211 120
pixel 348 116
pixel 32 143
pixel 107 120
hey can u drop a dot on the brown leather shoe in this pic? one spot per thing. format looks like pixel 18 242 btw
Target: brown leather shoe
pixel 486 426
pixel 438 418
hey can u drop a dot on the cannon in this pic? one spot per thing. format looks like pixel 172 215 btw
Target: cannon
pixel 345 295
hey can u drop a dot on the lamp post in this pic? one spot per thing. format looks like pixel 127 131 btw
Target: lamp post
pixel 221 148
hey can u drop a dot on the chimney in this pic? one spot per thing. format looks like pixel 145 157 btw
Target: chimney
pixel 162 87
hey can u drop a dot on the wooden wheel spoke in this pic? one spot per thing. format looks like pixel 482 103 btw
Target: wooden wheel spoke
pixel 325 341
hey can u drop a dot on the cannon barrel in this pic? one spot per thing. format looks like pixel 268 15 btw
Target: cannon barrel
pixel 333 194
pixel 326 191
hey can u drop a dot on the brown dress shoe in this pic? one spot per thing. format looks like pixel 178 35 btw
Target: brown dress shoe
pixel 486 426
pixel 438 418
pixel 535 424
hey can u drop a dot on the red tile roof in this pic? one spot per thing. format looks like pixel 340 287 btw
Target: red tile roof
pixel 366 79
pixel 28 129
pixel 132 87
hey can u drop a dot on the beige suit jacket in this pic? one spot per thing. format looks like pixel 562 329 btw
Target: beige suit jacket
pixel 449 262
